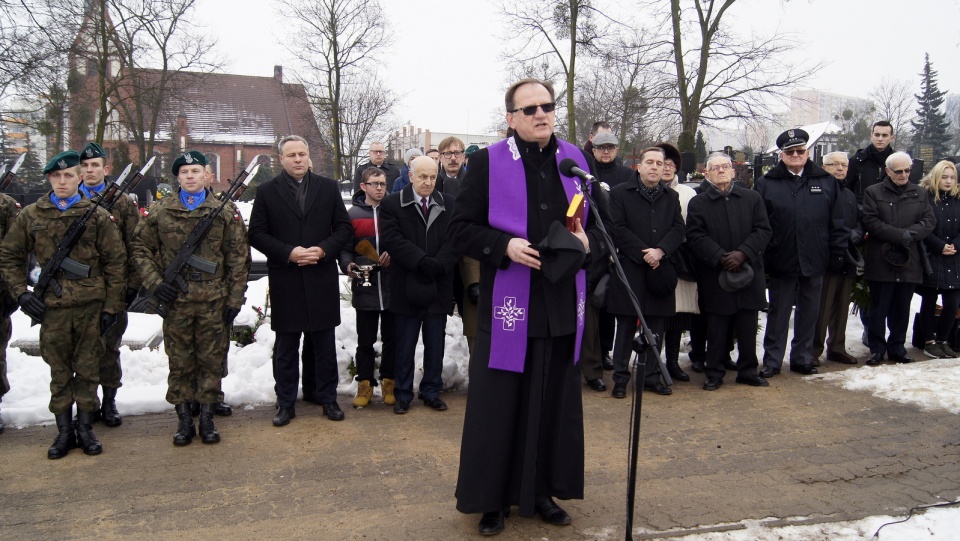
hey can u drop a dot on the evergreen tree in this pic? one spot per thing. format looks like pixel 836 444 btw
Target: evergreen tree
pixel 701 148
pixel 930 126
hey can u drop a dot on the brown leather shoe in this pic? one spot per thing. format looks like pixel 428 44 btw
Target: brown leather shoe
pixel 841 357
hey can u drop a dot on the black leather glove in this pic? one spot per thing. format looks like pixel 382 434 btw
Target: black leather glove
pixel 106 322
pixel 166 293
pixel 907 238
pixel 130 295
pixel 229 314
pixel 32 305
pixel 9 305
pixel 836 265
pixel 855 237
pixel 473 293
pixel 731 261
pixel 430 267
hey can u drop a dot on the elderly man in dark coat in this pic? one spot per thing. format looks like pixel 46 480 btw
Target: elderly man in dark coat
pixel 897 216
pixel 648 228
pixel 727 231
pixel 414 229
pixel 805 210
pixel 523 427
pixel 300 223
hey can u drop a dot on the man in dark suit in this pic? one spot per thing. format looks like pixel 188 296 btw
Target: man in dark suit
pixel 414 232
pixel 300 223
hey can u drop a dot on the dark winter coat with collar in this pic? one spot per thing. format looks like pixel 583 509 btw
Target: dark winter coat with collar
pixel 641 222
pixel 365 220
pixel 946 268
pixel 613 174
pixel 867 167
pixel 807 220
pixel 719 223
pixel 409 237
pixel 887 214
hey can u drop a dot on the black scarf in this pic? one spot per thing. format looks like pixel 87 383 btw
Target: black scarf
pixel 299 190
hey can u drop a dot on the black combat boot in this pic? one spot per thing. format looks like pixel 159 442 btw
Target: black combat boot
pixel 66 438
pixel 208 432
pixel 108 407
pixel 86 439
pixel 185 430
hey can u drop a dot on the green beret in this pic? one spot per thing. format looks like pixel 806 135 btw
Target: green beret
pixel 64 160
pixel 471 149
pixel 91 151
pixel 188 158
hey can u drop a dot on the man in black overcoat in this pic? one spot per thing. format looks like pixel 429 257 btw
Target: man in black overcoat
pixel 727 231
pixel 300 223
pixel 414 231
pixel 523 427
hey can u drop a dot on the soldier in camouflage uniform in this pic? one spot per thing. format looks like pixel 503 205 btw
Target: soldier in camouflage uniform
pixel 220 408
pixel 9 208
pixel 72 324
pixel 93 168
pixel 195 330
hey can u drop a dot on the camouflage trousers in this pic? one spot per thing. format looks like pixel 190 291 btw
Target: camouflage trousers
pixel 70 343
pixel 110 371
pixel 4 338
pixel 196 341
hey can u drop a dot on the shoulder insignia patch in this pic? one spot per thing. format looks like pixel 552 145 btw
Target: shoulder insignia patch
pixel 236 216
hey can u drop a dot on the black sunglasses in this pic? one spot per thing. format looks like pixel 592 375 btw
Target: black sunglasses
pixel 531 110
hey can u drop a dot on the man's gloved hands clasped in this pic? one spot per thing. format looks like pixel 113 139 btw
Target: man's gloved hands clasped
pixel 907 238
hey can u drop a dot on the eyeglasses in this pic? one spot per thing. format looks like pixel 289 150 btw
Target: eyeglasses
pixel 901 171
pixel 531 110
pixel 721 167
pixel 669 165
pixel 606 148
pixel 378 152
pixel 795 151
pixel 376 184
pixel 451 154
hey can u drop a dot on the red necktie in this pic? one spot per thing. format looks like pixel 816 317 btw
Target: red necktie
pixel 425 208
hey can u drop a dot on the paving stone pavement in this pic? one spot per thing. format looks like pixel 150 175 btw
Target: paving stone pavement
pixel 799 448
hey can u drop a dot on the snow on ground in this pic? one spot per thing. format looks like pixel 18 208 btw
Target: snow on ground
pixel 929 385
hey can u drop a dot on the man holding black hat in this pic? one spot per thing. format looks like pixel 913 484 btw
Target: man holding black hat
pixel 897 216
pixel 727 230
pixel 93 169
pixel 809 238
pixel 196 330
pixel 72 324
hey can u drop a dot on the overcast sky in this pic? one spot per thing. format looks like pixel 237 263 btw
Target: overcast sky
pixel 461 88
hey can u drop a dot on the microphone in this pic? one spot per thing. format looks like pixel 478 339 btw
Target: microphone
pixel 569 168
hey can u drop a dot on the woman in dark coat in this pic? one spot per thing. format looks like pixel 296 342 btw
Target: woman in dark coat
pixel 942 247
pixel 646 223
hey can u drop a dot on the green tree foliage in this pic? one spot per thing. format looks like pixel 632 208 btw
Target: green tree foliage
pixel 931 126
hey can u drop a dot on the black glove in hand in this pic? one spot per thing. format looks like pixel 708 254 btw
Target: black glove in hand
pixel 166 293
pixel 107 321
pixel 907 238
pixel 430 267
pixel 473 293
pixel 32 305
pixel 229 314
pixel 130 295
pixel 855 237
pixel 731 261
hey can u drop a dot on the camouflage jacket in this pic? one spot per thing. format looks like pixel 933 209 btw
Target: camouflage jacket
pixel 9 209
pixel 127 216
pixel 40 227
pixel 164 231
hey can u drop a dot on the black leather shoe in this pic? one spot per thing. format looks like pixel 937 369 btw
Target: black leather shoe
pixel 712 384
pixel 806 370
pixel 753 381
pixel 222 409
pixel 401 407
pixel 767 373
pixel 657 388
pixel 673 368
pixel 900 358
pixel 550 512
pixel 696 366
pixel 492 523
pixel 875 359
pixel 332 411
pixel 606 362
pixel 597 384
pixel 435 404
pixel 841 357
pixel 283 416
pixel 619 390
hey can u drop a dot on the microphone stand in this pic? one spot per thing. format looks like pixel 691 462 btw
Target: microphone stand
pixel 643 345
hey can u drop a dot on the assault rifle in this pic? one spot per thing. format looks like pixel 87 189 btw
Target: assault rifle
pixel 60 261
pixel 185 256
pixel 6 177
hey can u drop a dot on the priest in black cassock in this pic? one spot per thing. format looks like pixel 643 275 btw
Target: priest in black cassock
pixel 523 427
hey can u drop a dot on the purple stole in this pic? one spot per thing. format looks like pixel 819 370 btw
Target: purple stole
pixel 511 286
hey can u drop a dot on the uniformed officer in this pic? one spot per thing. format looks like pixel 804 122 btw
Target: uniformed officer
pixel 90 297
pixel 9 208
pixel 93 168
pixel 195 330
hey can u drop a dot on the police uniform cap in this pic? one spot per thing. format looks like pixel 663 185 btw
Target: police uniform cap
pixel 64 160
pixel 189 158
pixel 792 138
pixel 91 151
pixel 605 138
